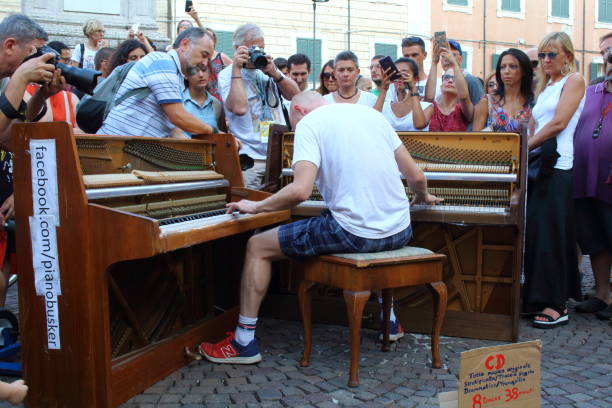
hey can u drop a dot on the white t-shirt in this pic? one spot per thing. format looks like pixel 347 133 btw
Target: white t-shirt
pixel 544 111
pixel 392 93
pixel 353 147
pixel 247 127
pixel 405 123
pixel 88 58
pixel 365 98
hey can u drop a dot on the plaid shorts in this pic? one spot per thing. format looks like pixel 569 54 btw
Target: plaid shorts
pixel 323 235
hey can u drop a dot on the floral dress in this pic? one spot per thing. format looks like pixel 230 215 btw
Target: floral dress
pixel 500 121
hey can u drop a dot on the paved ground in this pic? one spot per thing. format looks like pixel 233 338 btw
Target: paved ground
pixel 576 370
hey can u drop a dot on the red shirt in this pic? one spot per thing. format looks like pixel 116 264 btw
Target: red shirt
pixel 453 122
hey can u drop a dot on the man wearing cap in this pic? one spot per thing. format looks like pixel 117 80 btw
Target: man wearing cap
pixel 474 85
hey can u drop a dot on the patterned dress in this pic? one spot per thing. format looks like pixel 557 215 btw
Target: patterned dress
pixel 500 121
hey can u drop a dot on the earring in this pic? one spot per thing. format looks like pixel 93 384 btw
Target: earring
pixel 565 69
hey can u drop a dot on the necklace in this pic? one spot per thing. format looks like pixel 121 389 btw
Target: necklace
pixel 345 97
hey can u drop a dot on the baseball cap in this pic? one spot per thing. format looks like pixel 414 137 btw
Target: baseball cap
pixel 455 45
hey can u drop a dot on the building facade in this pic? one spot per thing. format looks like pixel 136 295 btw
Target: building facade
pixel 484 28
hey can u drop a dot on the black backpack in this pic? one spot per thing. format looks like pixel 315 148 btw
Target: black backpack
pixel 93 110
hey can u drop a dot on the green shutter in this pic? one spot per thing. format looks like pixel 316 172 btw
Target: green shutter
pixel 593 70
pixel 511 5
pixel 458 2
pixel 494 59
pixel 386 49
pixel 224 43
pixel 560 8
pixel 464 59
pixel 305 46
pixel 605 11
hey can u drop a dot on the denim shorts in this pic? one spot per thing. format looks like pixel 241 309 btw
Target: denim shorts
pixel 323 235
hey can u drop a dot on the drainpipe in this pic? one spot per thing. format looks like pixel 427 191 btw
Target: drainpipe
pixel 484 38
pixel 583 38
pixel 170 19
pixel 348 36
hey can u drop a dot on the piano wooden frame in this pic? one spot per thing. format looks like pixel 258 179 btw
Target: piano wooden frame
pixel 91 238
pixel 483 267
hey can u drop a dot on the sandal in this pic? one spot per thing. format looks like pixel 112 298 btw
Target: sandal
pixel 551 322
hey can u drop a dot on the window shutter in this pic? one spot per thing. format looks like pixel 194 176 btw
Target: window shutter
pixel 465 56
pixel 458 2
pixel 494 59
pixel 305 46
pixel 605 11
pixel 593 70
pixel 224 43
pixel 386 49
pixel 560 8
pixel 511 5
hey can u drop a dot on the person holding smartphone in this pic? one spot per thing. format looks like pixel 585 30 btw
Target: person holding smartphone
pixel 405 112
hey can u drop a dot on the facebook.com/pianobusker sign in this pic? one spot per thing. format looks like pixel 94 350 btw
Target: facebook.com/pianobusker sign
pixel 501 376
pixel 43 228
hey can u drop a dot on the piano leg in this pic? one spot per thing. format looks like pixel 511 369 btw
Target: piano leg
pixel 439 292
pixel 305 302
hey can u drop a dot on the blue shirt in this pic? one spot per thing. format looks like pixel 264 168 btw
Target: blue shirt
pixel 204 112
pixel 160 72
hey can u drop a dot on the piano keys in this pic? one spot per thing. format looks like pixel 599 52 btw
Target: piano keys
pixel 479 226
pixel 149 262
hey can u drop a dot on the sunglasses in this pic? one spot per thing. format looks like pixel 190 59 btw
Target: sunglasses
pixel 447 77
pixel 327 76
pixel 550 55
pixel 534 64
pixel 492 85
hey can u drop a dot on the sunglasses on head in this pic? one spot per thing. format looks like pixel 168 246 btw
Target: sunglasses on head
pixel 447 77
pixel 550 55
pixel 327 75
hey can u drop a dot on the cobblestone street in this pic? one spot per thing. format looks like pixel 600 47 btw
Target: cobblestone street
pixel 576 370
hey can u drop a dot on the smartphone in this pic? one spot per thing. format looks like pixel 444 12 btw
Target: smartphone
pixel 135 28
pixel 440 37
pixel 386 63
pixel 188 6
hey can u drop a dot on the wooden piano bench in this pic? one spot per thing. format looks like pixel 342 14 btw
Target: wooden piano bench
pixel 361 273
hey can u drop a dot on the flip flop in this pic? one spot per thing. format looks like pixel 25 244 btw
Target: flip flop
pixel 551 322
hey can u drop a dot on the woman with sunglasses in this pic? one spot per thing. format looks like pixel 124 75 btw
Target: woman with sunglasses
pixel 327 81
pixel 454 110
pixel 508 108
pixel 551 264
pixel 405 111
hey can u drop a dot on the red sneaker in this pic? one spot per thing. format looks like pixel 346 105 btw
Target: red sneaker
pixel 230 352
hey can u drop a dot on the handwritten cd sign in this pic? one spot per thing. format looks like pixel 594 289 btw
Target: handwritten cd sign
pixel 501 376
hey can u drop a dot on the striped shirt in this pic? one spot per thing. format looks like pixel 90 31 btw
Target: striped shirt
pixel 159 72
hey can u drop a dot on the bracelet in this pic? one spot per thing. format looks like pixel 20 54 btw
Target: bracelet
pixel 279 80
pixel 235 77
pixel 9 111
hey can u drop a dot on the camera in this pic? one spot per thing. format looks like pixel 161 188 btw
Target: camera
pixel 257 57
pixel 84 79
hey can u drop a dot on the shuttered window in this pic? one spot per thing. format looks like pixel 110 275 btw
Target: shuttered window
pixel 311 49
pixel 594 70
pixel 464 60
pixel 386 49
pixel 458 2
pixel 511 5
pixel 224 43
pixel 605 11
pixel 560 8
pixel 494 59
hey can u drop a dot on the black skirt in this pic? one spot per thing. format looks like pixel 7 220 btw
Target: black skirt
pixel 551 259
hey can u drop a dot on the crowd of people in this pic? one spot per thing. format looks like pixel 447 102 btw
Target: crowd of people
pixel 192 89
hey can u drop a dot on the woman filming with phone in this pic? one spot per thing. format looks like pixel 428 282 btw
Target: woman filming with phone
pixel 406 112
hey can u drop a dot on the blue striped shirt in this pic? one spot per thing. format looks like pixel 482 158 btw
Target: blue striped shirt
pixel 159 72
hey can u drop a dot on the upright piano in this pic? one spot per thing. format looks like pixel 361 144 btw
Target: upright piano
pixel 126 257
pixel 479 226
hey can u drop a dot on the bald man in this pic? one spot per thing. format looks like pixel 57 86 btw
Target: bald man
pixel 355 157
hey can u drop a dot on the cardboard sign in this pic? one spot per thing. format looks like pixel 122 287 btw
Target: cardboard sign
pixel 501 376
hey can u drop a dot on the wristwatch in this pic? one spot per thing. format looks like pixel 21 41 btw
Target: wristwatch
pixel 9 111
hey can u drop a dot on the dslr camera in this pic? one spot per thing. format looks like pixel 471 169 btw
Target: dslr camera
pixel 257 57
pixel 84 79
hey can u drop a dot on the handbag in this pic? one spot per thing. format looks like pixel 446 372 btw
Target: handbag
pixel 541 162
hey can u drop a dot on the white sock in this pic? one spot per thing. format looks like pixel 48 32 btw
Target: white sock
pixel 392 317
pixel 245 331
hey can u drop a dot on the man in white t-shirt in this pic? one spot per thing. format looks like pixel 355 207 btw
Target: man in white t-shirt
pixel 346 71
pixel 355 157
